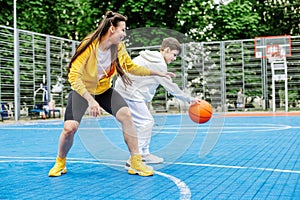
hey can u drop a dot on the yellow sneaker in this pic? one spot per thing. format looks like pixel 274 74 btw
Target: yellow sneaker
pixel 59 168
pixel 138 167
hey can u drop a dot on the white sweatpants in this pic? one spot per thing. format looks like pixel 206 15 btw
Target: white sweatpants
pixel 144 122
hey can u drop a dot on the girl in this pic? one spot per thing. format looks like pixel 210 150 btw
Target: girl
pixel 99 57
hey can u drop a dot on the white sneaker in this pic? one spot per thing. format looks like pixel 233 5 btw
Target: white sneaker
pixel 152 159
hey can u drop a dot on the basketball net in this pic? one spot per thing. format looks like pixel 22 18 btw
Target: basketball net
pixel 273 52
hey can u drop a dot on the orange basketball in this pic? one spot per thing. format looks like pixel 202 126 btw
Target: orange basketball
pixel 200 111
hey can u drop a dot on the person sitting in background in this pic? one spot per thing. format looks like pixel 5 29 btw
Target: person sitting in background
pixel 240 101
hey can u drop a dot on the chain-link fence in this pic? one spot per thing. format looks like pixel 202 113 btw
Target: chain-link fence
pixel 218 71
pixel 42 70
pixel 215 71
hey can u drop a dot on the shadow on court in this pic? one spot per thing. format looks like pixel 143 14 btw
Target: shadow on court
pixel 252 158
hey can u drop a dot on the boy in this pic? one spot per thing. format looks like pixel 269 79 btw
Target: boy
pixel 143 89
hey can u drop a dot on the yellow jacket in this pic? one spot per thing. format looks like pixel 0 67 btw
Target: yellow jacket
pixel 83 75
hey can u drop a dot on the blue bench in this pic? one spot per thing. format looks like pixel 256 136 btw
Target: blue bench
pixel 1 113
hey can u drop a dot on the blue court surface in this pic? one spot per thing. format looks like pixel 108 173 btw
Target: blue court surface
pixel 254 157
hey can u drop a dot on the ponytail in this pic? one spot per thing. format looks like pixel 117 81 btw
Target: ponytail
pixel 110 19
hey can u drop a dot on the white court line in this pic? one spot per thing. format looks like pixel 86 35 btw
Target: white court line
pixel 185 193
pixel 237 167
pixel 91 160
pixel 165 129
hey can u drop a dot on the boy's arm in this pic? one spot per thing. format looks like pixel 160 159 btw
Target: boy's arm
pixel 173 89
pixel 138 70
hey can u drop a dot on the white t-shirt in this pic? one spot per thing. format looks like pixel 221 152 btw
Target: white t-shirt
pixel 103 62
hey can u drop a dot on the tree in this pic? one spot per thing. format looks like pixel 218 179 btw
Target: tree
pixel 200 19
pixel 278 17
pixel 151 13
pixel 208 21
pixel 235 21
pixel 6 10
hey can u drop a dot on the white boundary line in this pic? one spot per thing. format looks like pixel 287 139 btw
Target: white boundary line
pixel 237 167
pixel 226 129
pixel 108 162
pixel 185 193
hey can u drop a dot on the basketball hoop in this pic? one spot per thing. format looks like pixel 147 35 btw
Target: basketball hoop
pixel 273 47
pixel 273 52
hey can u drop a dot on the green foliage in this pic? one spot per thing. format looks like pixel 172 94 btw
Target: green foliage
pixel 151 20
pixel 150 13
pixel 193 18
pixel 206 21
pixel 278 17
pixel 236 19
pixel 200 19
pixel 7 12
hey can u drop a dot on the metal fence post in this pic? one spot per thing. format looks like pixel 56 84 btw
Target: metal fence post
pixel 16 75
pixel 48 74
pixel 183 68
pixel 223 76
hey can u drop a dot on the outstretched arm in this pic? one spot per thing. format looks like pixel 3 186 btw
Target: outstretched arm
pixel 162 74
pixel 174 89
pixel 135 69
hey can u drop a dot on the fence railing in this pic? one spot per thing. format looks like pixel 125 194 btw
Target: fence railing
pixel 216 71
pixel 211 70
pixel 42 66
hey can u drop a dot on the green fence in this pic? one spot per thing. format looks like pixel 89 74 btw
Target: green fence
pixel 214 71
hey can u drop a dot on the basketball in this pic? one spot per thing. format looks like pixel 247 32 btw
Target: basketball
pixel 200 111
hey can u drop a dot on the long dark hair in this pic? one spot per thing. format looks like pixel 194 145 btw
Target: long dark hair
pixel 109 19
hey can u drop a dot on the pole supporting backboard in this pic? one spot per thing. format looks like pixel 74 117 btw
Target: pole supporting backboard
pixel 275 49
pixel 279 73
